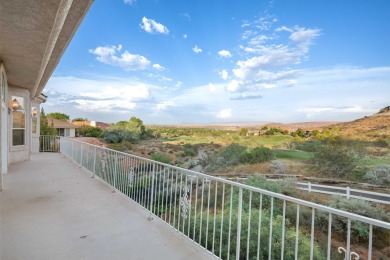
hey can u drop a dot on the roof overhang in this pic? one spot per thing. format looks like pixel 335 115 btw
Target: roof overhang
pixel 34 34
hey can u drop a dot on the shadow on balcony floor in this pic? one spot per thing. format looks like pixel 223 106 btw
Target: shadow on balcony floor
pixel 52 209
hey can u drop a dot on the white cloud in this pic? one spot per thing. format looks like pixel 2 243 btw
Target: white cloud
pixel 163 106
pixel 151 26
pixel 158 67
pixel 196 49
pixel 159 77
pixel 212 88
pixel 224 74
pixel 129 2
pixel 178 84
pixel 269 65
pixel 225 54
pixel 186 15
pixel 233 85
pixel 359 92
pixel 225 113
pixel 125 60
pixel 135 92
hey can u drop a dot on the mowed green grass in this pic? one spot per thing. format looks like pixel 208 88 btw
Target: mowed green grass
pixel 250 142
pixel 293 155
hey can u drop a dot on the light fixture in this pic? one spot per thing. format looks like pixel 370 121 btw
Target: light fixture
pixel 15 104
pixel 34 111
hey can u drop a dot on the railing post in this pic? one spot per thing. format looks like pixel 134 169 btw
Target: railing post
pixel 309 186
pixel 152 193
pixel 348 190
pixel 239 224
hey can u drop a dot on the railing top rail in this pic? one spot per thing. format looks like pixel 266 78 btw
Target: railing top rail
pixel 342 213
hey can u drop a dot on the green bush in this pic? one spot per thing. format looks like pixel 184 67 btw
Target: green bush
pixel 359 230
pixel 89 131
pixel 161 157
pixel 336 160
pixel 117 147
pixel 189 150
pixel 257 155
pixel 379 176
pixel 278 167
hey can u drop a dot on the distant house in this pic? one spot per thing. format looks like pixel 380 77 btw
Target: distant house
pixel 63 128
pixel 101 125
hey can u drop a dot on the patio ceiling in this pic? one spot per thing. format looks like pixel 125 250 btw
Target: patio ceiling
pixel 33 36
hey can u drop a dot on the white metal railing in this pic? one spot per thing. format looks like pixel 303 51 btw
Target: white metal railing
pixel 345 191
pixel 229 219
pixel 49 143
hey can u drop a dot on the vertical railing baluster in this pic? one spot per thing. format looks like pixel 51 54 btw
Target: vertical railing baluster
pixel 190 207
pixel 283 229
pixel 270 228
pixel 208 213
pixel 201 214
pixel 239 211
pixel 180 198
pixel 249 224
pixel 230 220
pixel 297 234
pixel 170 199
pixel 215 214
pixel 348 237
pixel 259 227
pixel 151 192
pixel 174 205
pixel 370 243
pixel 222 214
pixel 312 234
pixel 195 208
pixel 329 236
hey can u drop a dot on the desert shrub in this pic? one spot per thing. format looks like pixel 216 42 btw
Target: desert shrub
pixel 359 230
pixel 278 167
pixel 89 131
pixel 257 155
pixel 308 146
pixel 232 153
pixel 127 145
pixel 380 175
pixel 161 157
pixel 336 160
pixel 381 142
pixel 189 150
pixel 117 147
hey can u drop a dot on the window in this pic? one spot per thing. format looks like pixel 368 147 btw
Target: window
pixel 18 121
pixel 34 120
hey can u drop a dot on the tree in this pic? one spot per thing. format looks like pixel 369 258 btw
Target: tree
pixel 59 116
pixel 244 131
pixel 45 128
pixel 132 131
pixel 336 160
pixel 89 131
pixel 80 119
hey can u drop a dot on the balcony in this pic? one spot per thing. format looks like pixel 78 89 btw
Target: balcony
pixel 101 206
pixel 52 209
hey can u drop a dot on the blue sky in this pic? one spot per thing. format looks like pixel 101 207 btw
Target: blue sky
pixel 172 62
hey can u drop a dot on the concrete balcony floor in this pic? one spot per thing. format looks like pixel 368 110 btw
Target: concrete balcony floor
pixel 52 209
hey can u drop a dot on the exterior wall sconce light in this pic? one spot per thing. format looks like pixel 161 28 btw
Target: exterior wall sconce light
pixel 34 112
pixel 14 106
